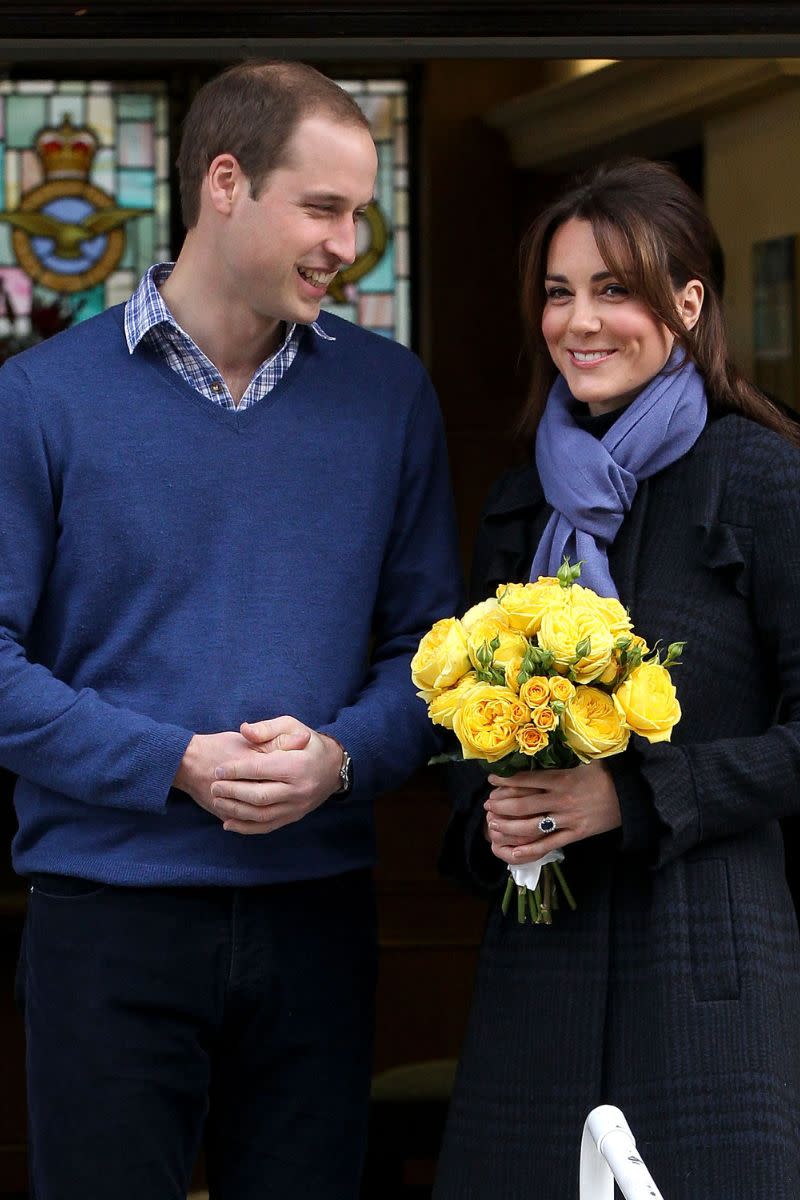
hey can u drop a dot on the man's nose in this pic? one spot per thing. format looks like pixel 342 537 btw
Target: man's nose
pixel 341 241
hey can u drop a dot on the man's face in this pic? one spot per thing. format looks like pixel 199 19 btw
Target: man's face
pixel 283 249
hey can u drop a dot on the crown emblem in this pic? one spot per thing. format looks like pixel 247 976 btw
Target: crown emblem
pixel 66 152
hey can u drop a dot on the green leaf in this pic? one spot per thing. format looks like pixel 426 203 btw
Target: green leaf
pixel 510 765
pixel 653 655
pixel 491 674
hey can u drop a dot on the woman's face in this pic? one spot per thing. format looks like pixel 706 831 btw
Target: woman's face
pixel 605 342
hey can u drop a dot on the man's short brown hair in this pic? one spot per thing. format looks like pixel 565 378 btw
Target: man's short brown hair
pixel 251 111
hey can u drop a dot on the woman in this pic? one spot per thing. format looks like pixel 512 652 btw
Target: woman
pixel 674 989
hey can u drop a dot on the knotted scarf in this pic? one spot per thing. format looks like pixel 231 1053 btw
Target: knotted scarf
pixel 590 483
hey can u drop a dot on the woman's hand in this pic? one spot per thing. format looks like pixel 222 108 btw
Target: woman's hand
pixel 582 801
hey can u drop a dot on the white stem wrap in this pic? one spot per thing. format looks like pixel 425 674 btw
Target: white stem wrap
pixel 608 1152
pixel 527 875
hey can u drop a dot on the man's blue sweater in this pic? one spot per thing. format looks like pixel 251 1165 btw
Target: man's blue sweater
pixel 169 567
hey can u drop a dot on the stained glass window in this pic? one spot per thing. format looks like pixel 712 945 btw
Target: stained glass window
pixel 85 201
pixel 375 291
pixel 84 193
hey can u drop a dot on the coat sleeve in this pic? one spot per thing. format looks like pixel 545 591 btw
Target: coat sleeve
pixel 386 729
pixel 69 741
pixel 701 792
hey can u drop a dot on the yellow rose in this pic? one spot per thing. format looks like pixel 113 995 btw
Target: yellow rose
pixel 638 643
pixel 535 691
pixel 544 718
pixel 563 629
pixel 646 701
pixel 611 671
pixel 442 657
pixel 614 614
pixel 531 740
pixel 560 688
pixel 512 670
pixel 484 631
pixel 486 724
pixel 486 608
pixel 445 704
pixel 525 603
pixel 592 726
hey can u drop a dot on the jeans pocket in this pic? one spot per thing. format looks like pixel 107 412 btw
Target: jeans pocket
pixel 65 887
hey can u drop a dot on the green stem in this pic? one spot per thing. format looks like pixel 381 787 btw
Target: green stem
pixel 509 892
pixel 533 907
pixel 565 891
pixel 521 905
pixel 547 888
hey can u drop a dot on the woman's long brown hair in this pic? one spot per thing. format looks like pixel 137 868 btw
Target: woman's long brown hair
pixel 654 236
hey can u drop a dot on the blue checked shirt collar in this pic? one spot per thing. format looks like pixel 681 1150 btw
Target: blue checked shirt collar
pixel 147 316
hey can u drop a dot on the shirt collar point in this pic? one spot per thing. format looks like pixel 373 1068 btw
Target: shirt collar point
pixel 328 337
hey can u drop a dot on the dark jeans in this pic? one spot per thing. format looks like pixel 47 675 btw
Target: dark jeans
pixel 159 1018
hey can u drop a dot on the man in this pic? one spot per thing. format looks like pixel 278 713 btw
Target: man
pixel 216 510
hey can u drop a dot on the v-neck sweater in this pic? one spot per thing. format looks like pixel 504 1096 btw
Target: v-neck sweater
pixel 170 567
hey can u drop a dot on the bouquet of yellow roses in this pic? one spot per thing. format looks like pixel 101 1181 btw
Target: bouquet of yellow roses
pixel 546 675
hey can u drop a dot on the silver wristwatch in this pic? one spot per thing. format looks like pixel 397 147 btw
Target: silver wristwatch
pixel 345 775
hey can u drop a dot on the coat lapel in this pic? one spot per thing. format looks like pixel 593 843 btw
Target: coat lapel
pixel 625 553
pixel 514 520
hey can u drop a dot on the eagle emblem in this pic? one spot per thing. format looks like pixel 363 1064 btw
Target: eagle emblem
pixel 68 234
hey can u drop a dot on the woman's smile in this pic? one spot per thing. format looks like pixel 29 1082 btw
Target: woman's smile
pixel 590 358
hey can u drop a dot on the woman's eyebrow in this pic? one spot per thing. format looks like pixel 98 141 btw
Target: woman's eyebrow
pixel 598 277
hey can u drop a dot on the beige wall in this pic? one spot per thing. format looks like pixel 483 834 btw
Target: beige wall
pixel 752 192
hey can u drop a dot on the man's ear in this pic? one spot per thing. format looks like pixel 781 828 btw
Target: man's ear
pixel 224 180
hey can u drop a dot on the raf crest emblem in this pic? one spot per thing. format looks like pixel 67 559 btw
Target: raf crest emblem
pixel 68 234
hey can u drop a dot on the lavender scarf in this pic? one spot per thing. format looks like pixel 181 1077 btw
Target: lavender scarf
pixel 590 483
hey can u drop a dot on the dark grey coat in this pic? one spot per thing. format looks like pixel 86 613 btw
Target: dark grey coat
pixel 674 990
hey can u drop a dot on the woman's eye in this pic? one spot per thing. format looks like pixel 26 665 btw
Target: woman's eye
pixel 615 289
pixel 556 293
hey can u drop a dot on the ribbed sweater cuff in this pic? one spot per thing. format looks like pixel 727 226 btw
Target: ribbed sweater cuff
pixel 155 763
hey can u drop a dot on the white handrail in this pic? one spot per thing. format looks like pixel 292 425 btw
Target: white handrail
pixel 608 1152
